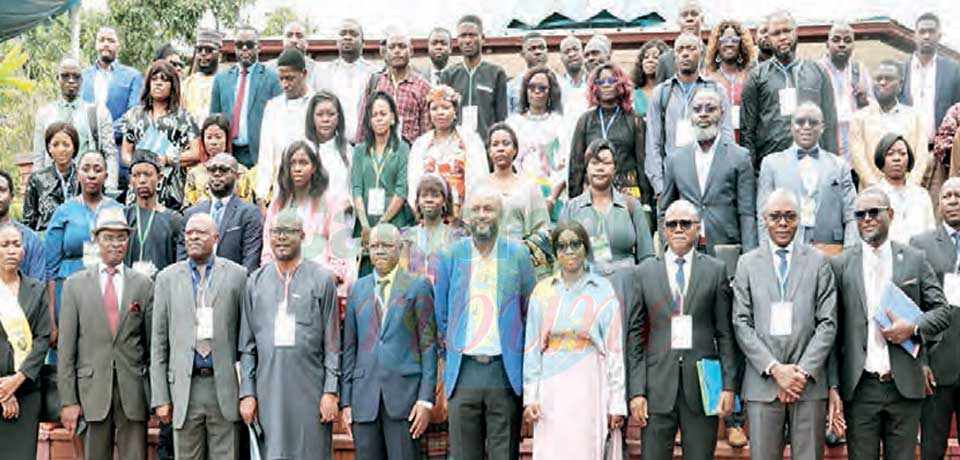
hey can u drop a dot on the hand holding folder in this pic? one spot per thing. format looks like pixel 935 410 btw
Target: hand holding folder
pixel 897 310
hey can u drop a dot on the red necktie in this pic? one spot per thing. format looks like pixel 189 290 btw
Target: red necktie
pixel 238 104
pixel 110 304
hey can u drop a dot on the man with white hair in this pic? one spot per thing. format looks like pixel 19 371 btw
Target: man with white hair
pixel 785 319
pixel 405 85
pixel 348 75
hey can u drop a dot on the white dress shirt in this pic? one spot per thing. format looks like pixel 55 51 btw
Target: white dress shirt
pixel 101 84
pixel 483 330
pixel 117 281
pixel 877 271
pixel 776 272
pixel 912 211
pixel 923 88
pixel 283 123
pixel 671 262
pixel 703 161
pixel 347 80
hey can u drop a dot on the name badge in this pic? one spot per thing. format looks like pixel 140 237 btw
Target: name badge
pixel 284 329
pixel 470 118
pixel 681 332
pixel 788 101
pixel 808 212
pixel 684 133
pixel 844 114
pixel 735 116
pixel 951 288
pixel 781 318
pixel 376 202
pixel 205 323
pixel 91 254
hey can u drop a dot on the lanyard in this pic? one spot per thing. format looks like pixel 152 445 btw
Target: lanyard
pixel 65 182
pixel 206 285
pixel 605 126
pixel 286 282
pixel 788 71
pixel 379 165
pixel 142 235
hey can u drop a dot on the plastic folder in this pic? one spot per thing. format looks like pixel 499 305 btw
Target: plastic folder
pixel 711 384
pixel 902 306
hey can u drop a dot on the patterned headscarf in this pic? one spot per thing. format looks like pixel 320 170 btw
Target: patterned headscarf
pixel 443 93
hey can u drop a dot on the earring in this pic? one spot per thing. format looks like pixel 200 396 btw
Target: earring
pixel 740 59
pixel 718 60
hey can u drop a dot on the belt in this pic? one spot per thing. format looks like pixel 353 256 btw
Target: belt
pixel 882 378
pixel 203 372
pixel 484 359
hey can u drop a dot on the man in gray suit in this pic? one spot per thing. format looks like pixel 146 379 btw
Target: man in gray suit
pixel 102 371
pixel 716 175
pixel 876 387
pixel 784 316
pixel 194 347
pixel 942 377
pixel 685 304
pixel 820 179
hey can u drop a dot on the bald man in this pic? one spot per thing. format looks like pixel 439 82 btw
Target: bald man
pixel 194 347
pixel 295 35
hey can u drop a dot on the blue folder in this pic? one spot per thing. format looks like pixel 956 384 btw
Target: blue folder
pixel 711 384
pixel 902 306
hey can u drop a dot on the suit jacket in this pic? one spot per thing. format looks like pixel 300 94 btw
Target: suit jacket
pixel 835 196
pixel 264 85
pixel 174 336
pixel 812 290
pixel 728 205
pixel 941 254
pixel 947 86
pixel 515 282
pixel 241 232
pixel 395 360
pixel 89 357
pixel 913 275
pixel 32 298
pixel 123 92
pixel 655 369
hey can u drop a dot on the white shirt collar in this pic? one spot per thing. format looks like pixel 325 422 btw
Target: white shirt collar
pixel 774 248
pixel 102 268
pixel 949 229
pixel 672 257
pixel 886 249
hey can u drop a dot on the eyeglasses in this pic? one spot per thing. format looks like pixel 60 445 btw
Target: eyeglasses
pixel 569 246
pixel 705 108
pixel 114 239
pixel 682 224
pixel 538 88
pixel 606 81
pixel 219 169
pixel 284 231
pixel 176 64
pixel 71 76
pixel 246 44
pixel 206 49
pixel 730 40
pixel 806 121
pixel 787 217
pixel 873 213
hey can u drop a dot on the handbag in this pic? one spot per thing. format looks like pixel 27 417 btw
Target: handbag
pixel 49 395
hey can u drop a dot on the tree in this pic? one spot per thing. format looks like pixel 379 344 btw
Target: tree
pixel 279 19
pixel 9 80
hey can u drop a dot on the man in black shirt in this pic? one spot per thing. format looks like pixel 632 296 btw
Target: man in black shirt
pixel 482 85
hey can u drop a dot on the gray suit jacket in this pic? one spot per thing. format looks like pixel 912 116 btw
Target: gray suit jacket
pixel 174 333
pixel 835 196
pixel 655 368
pixel 88 356
pixel 942 257
pixel 913 275
pixel 811 288
pixel 728 205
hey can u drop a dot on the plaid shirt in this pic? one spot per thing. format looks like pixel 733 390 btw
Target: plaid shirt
pixel 410 95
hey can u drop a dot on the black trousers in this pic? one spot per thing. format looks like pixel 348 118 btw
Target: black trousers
pixel 937 411
pixel 484 413
pixel 18 437
pixel 699 431
pixel 879 414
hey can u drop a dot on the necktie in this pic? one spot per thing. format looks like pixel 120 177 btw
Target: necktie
pixel 238 103
pixel 111 306
pixel 202 346
pixel 382 296
pixel 680 278
pixel 217 212
pixel 812 153
pixel 782 270
pixel 956 249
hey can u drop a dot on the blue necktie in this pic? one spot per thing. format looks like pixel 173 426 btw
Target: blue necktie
pixel 782 253
pixel 956 247
pixel 680 278
pixel 812 153
pixel 217 212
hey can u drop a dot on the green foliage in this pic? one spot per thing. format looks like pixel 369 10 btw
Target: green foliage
pixel 282 16
pixel 10 66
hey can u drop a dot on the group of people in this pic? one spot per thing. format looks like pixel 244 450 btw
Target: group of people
pixel 436 258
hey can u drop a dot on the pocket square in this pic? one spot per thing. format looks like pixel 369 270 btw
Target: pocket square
pixel 134 307
pixel 909 282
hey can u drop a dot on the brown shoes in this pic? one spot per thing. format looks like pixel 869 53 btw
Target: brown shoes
pixel 736 437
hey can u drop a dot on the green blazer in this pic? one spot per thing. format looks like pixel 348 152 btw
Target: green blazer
pixel 393 181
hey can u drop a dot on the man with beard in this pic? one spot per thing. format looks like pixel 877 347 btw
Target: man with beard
pixel 482 85
pixel 573 80
pixel 876 386
pixel 115 86
pixel 348 75
pixel 942 377
pixel 92 121
pixel 888 115
pixel 290 349
pixel 283 120
pixel 596 52
pixel 156 229
pixel 238 223
pixel 407 88
pixel 775 89
pixel 438 49
pixel 33 262
pixel 533 50
pixel 931 82
pixel 716 176
pixel 690 20
pixel 850 81
pixel 819 178
pixel 669 125
pixel 482 288
pixel 241 92
pixel 764 49
pixel 196 89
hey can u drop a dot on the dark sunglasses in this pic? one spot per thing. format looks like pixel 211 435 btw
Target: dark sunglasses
pixel 682 224
pixel 705 108
pixel 572 246
pixel 206 49
pixel 176 64
pixel 787 217
pixel 538 88
pixel 71 76
pixel 873 213
pixel 219 169
pixel 806 121
pixel 606 81
pixel 729 40
pixel 246 44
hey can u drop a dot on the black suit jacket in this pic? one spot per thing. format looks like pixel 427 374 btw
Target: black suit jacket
pixel 913 275
pixel 33 300
pixel 241 232
pixel 942 257
pixel 947 86
pixel 654 368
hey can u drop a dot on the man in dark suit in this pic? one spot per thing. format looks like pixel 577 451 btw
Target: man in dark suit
pixel 931 82
pixel 942 377
pixel 685 305
pixel 102 371
pixel 784 315
pixel 390 353
pixel 716 176
pixel 241 93
pixel 877 387
pixel 239 224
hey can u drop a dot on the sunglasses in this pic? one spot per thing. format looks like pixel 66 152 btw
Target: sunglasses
pixel 206 50
pixel 70 76
pixel 705 108
pixel 806 121
pixel 873 213
pixel 786 217
pixel 729 40
pixel 219 169
pixel 606 81
pixel 538 88
pixel 682 224
pixel 246 44
pixel 569 246
pixel 176 64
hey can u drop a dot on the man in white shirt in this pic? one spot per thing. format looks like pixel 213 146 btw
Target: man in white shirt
pixel 348 75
